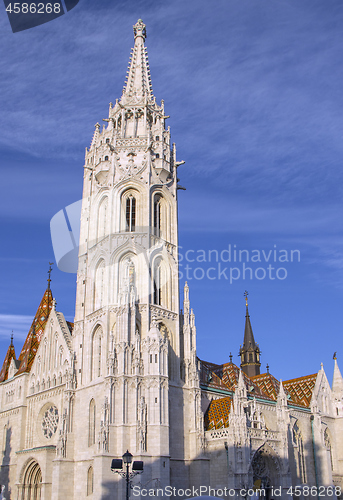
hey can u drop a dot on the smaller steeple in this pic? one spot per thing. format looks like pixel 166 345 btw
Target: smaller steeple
pixel 250 351
pixel 337 381
pixel 8 358
pixel 34 336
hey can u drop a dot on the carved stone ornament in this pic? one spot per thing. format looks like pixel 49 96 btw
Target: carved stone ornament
pixel 50 421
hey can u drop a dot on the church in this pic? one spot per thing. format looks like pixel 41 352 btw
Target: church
pixel 126 376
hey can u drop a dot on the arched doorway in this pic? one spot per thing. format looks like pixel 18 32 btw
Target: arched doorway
pixel 266 470
pixel 31 482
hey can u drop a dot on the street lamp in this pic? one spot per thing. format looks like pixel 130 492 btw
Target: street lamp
pixel 117 467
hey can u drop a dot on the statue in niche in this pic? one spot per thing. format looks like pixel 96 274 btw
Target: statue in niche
pixel 142 424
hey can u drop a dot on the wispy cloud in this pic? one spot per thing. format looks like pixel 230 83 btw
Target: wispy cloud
pixel 20 326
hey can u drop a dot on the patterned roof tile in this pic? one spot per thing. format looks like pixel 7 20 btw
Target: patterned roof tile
pixel 301 389
pixel 5 367
pixel 217 414
pixel 34 336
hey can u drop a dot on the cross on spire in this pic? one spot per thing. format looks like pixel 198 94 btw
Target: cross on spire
pixel 49 273
pixel 245 294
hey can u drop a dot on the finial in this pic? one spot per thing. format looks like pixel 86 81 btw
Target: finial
pixel 230 357
pixel 54 304
pixel 335 355
pixel 139 29
pixel 49 273
pixel 267 368
pixel 245 294
pixel 12 338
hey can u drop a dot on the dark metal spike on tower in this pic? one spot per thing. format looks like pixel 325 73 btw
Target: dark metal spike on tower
pixel 49 273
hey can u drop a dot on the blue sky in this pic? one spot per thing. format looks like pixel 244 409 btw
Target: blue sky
pixel 253 90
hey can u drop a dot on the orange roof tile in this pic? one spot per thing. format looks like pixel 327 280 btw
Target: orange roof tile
pixel 217 414
pixel 209 378
pixel 230 378
pixel 9 355
pixel 34 336
pixel 301 389
pixel 268 384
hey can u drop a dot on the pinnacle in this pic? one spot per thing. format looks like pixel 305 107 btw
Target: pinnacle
pixel 138 80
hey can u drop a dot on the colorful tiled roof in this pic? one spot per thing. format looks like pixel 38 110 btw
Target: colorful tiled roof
pixel 230 378
pixel 217 414
pixel 209 378
pixel 34 336
pixel 9 355
pixel 301 389
pixel 268 384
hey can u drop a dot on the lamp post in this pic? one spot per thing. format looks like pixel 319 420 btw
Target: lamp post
pixel 122 467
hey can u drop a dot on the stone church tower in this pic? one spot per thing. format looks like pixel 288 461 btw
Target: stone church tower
pixel 130 351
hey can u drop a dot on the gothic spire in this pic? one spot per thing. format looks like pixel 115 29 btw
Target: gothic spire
pixel 337 380
pixel 34 336
pixel 138 80
pixel 8 358
pixel 249 352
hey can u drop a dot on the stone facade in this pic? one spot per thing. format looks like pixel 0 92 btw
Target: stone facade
pixel 125 375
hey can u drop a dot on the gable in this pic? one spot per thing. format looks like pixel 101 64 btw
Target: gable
pixel 54 354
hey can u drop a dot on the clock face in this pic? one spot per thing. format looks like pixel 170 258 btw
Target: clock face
pixel 50 421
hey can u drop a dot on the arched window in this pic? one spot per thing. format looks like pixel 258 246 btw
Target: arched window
pixel 157 215
pixel 91 426
pixel 106 158
pixel 130 213
pixel 32 482
pixel 61 356
pixel 99 285
pixel 102 218
pixel 157 285
pixel 161 284
pixel 55 350
pixel 90 481
pixel 96 353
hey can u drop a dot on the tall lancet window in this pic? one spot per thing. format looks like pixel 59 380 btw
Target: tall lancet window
pixel 130 213
pixel 157 285
pixel 157 215
pixel 102 219
pixel 91 423
pixel 96 357
pixel 99 285
pixel 90 481
pixel 161 284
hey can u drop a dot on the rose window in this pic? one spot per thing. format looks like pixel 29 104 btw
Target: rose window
pixel 50 421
